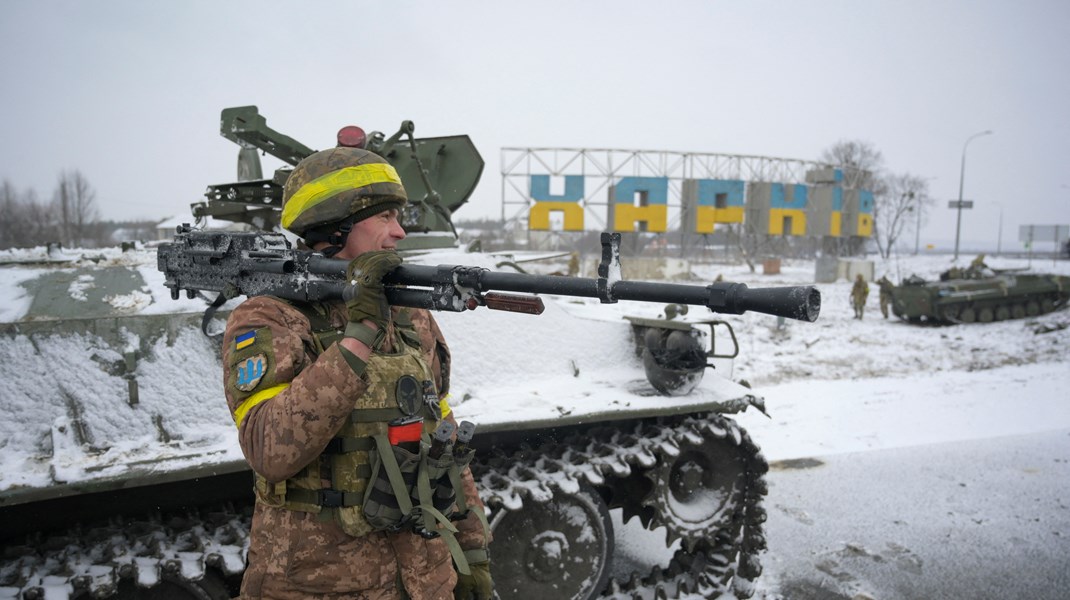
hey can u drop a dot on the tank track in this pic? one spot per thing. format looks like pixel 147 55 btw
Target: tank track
pixel 710 563
pixel 97 561
pixel 194 547
pixel 1048 304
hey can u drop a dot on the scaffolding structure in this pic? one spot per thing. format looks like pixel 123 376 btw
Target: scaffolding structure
pixel 602 167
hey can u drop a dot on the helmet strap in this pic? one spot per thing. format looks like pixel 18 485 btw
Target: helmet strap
pixel 334 235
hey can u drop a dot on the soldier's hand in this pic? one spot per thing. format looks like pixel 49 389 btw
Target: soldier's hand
pixel 477 586
pixel 364 295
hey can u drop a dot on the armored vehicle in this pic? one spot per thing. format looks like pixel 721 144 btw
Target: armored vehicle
pixel 121 476
pixel 979 295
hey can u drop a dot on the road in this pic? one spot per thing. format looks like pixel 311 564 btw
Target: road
pixel 986 519
pixel 977 520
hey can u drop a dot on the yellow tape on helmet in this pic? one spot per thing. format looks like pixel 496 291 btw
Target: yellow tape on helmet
pixel 334 183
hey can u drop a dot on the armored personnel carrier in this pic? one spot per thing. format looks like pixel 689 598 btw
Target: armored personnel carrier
pixel 979 295
pixel 120 473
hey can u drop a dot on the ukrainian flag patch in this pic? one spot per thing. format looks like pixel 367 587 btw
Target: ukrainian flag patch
pixel 244 340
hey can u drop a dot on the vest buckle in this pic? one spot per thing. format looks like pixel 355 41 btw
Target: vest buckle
pixel 330 498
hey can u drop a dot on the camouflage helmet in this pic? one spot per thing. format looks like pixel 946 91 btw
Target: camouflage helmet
pixel 339 186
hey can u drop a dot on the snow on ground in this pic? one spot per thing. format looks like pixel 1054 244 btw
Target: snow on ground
pixel 832 388
pixel 946 444
pixel 917 428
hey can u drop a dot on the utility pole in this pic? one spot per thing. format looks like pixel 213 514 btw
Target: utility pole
pixel 999 240
pixel 962 178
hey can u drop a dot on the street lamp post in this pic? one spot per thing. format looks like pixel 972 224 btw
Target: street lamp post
pixel 962 178
pixel 999 239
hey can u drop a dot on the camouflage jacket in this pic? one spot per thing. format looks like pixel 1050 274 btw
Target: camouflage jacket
pixel 886 288
pixel 859 291
pixel 303 401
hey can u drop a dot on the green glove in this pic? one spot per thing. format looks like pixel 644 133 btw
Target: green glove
pixel 478 585
pixel 364 296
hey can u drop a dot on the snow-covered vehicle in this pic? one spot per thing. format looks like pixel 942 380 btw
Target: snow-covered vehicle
pixel 120 473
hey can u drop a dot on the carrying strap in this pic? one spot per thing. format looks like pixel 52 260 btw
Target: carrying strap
pixel 431 515
pixel 462 499
pixel 393 473
pixel 209 312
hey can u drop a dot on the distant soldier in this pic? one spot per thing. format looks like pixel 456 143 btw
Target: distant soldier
pixel 977 267
pixel 886 294
pixel 859 292
pixel 574 264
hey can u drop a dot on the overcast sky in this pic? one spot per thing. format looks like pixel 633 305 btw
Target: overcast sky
pixel 130 92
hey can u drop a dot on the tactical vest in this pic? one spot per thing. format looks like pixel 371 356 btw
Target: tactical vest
pixel 375 486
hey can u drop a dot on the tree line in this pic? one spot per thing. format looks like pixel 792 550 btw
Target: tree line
pixel 69 217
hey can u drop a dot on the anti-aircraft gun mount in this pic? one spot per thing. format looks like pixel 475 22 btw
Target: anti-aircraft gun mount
pixel 439 175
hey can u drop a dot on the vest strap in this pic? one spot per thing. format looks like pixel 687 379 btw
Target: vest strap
pixel 431 515
pixel 341 445
pixel 372 415
pixel 326 498
pixel 393 473
pixel 372 338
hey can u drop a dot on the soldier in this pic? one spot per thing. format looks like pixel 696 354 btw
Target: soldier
pixel 886 294
pixel 573 264
pixel 859 291
pixel 977 267
pixel 312 388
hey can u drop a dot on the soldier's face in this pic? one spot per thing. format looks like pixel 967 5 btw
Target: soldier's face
pixel 378 232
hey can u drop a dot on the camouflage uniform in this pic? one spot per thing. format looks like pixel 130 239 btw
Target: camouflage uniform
pixel 859 292
pixel 886 294
pixel 574 264
pixel 977 268
pixel 295 554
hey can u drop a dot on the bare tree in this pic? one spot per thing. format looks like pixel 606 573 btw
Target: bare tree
pixel 903 204
pixel 75 201
pixel 863 169
pixel 751 244
pixel 42 222
pixel 10 208
pixel 25 221
pixel 862 164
